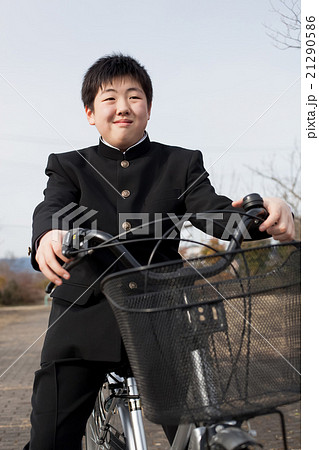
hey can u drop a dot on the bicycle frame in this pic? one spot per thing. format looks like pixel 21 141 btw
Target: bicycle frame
pixel 134 406
pixel 126 400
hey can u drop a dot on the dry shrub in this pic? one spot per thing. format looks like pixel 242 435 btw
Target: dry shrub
pixel 20 288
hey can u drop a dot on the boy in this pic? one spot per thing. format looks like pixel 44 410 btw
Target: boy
pixel 123 175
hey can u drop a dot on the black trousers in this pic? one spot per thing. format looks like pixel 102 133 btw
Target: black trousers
pixel 66 386
pixel 63 397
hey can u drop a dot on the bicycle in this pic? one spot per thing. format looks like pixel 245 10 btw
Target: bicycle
pixel 222 346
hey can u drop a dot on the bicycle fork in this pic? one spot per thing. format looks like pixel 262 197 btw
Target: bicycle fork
pixel 127 402
pixel 135 436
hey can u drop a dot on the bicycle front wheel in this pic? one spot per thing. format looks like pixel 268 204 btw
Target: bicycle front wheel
pixel 104 429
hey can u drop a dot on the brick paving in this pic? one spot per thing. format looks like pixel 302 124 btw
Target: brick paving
pixel 20 327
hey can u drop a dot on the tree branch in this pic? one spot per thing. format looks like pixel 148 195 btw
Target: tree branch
pixel 289 14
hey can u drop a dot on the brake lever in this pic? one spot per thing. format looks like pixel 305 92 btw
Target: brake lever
pixel 73 241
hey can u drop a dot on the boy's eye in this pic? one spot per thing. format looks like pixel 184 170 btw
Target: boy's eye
pixel 135 97
pixel 108 99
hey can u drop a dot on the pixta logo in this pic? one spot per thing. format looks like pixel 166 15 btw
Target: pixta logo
pixel 73 216
pixel 169 225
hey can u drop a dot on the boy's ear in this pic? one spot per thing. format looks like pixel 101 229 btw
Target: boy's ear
pixel 90 115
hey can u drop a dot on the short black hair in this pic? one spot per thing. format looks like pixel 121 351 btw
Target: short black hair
pixel 106 69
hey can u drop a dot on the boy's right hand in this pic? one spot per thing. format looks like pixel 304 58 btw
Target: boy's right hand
pixel 50 247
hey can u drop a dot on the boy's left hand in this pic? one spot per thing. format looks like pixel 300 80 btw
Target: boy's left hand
pixel 280 223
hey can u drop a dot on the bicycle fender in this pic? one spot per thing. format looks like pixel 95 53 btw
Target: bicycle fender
pixel 231 438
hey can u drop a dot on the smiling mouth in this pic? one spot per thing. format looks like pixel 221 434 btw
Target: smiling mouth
pixel 123 122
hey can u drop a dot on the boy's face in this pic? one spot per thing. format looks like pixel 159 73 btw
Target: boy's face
pixel 120 112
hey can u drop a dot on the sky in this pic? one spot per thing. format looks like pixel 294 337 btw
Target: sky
pixel 220 86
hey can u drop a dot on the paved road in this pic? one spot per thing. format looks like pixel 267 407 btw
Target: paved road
pixel 20 327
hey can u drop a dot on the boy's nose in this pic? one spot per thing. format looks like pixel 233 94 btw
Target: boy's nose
pixel 123 108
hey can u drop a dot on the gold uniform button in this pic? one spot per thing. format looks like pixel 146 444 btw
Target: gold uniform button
pixel 126 226
pixel 125 163
pixel 126 193
pixel 132 285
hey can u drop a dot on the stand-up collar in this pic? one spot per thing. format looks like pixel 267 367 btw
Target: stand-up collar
pixel 133 152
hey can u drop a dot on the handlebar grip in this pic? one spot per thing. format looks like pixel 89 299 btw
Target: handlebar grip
pixel 252 201
pixel 255 202
pixel 253 205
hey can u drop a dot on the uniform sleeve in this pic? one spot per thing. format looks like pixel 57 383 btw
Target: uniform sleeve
pixel 60 197
pixel 200 197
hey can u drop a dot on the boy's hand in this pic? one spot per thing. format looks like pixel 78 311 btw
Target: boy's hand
pixel 49 248
pixel 280 223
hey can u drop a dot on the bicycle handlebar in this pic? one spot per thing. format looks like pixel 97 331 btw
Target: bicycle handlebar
pixel 77 239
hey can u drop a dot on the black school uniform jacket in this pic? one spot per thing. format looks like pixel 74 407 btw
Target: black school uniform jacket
pixel 154 178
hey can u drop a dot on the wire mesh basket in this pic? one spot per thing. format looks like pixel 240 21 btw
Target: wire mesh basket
pixel 207 347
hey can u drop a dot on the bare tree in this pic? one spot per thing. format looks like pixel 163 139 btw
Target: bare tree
pixel 287 33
